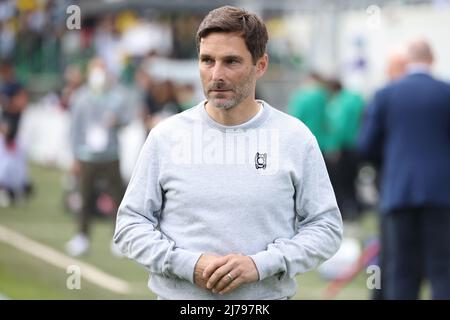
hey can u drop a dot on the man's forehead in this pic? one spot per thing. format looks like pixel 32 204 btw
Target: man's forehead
pixel 223 44
pixel 223 34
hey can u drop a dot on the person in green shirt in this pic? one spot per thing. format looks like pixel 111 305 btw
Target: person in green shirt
pixel 308 104
pixel 342 119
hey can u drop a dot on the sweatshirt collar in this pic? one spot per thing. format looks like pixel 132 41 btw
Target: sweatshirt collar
pixel 256 121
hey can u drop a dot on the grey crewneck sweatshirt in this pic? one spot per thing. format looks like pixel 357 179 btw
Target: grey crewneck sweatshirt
pixel 260 189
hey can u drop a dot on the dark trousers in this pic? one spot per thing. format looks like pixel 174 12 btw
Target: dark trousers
pixel 343 171
pixel 416 247
pixel 90 175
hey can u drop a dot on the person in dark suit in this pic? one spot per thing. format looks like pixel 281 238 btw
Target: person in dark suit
pixel 397 62
pixel 407 130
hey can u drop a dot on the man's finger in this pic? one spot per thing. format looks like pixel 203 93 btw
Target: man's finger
pixel 218 274
pixel 232 285
pixel 226 279
pixel 213 266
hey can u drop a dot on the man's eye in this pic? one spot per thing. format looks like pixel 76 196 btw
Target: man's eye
pixel 207 60
pixel 232 61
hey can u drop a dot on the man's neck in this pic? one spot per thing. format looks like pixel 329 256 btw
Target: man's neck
pixel 237 115
pixel 418 67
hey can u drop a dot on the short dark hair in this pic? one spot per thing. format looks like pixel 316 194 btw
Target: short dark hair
pixel 232 19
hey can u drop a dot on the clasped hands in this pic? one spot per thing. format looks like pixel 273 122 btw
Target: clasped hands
pixel 223 274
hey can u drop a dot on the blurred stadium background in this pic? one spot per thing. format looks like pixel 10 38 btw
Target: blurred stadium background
pixel 345 39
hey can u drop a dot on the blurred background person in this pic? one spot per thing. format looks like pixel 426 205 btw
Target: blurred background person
pixel 98 110
pixel 342 120
pixel 341 123
pixel 164 103
pixel 73 80
pixel 308 102
pixel 14 179
pixel 160 96
pixel 7 72
pixel 184 95
pixel 397 63
pixel 407 129
pixel 143 85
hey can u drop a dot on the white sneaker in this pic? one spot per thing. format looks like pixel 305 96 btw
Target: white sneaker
pixel 78 245
pixel 115 250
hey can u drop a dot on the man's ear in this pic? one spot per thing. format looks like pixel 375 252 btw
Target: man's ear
pixel 261 65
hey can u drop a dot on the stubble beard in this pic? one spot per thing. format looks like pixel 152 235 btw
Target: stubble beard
pixel 239 93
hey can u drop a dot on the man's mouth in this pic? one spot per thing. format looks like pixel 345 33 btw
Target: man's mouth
pixel 220 90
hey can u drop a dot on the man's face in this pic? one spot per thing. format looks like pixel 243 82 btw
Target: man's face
pixel 226 69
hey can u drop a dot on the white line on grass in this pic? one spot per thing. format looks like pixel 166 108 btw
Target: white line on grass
pixel 3 297
pixel 60 260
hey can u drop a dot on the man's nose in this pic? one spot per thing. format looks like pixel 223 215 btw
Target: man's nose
pixel 218 72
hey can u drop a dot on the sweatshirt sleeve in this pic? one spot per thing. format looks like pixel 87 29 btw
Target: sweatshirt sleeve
pixel 319 228
pixel 137 233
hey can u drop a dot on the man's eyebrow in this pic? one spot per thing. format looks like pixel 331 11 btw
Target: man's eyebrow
pixel 225 58
pixel 233 57
pixel 205 56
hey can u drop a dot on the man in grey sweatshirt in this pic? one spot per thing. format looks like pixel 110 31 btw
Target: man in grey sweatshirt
pixel 230 199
